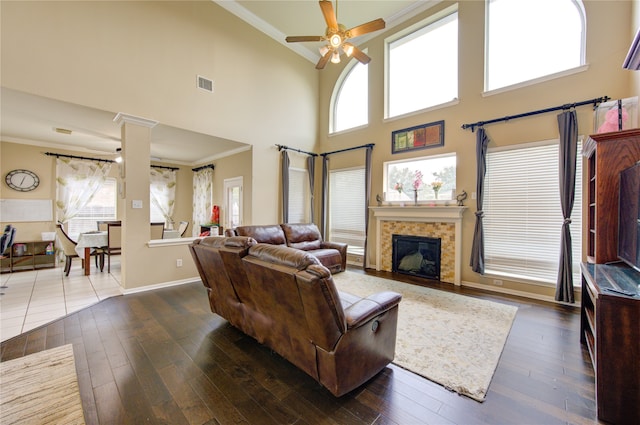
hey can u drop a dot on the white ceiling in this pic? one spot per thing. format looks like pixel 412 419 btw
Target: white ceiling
pixel 32 119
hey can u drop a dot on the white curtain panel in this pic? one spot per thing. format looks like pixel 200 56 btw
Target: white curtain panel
pixel 202 198
pixel 77 180
pixel 163 191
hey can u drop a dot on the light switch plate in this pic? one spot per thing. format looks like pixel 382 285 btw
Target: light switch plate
pixel 136 203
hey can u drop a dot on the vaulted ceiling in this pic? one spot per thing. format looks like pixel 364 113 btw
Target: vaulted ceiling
pixel 30 119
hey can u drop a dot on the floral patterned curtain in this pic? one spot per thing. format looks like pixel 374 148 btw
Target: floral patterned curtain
pixel 77 180
pixel 202 198
pixel 162 189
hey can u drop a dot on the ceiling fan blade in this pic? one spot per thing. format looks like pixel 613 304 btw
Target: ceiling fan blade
pixel 360 55
pixel 298 38
pixel 323 60
pixel 329 14
pixel 374 25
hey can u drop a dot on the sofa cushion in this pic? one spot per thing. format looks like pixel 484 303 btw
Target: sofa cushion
pixel 302 236
pixel 328 257
pixel 271 234
pixel 289 257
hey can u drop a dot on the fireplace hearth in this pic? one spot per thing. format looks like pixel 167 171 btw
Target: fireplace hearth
pixel 416 255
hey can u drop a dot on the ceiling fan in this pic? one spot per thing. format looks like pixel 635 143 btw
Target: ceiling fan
pixel 337 35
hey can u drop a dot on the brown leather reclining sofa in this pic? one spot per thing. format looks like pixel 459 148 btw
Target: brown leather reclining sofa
pixel 285 299
pixel 304 236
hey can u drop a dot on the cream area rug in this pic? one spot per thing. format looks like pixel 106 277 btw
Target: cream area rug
pixel 41 388
pixel 450 339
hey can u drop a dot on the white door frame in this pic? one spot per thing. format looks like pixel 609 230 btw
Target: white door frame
pixel 229 185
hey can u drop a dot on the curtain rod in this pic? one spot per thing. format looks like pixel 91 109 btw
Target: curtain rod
pixel 281 147
pixel 166 168
pixel 203 167
pixel 58 155
pixel 370 145
pixel 566 106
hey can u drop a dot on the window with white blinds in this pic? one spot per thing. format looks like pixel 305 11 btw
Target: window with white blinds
pixel 346 207
pixel 298 196
pixel 101 207
pixel 522 213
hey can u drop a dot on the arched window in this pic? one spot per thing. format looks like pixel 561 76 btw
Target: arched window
pixel 350 99
pixel 527 40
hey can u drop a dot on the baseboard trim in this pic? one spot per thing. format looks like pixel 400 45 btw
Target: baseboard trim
pixel 160 286
pixel 516 293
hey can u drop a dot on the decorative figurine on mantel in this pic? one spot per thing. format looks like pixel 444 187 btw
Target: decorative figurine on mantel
pixel 379 199
pixel 461 197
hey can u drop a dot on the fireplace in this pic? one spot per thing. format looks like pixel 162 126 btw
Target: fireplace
pixel 444 222
pixel 416 255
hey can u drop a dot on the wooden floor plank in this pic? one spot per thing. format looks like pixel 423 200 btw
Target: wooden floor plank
pixel 162 357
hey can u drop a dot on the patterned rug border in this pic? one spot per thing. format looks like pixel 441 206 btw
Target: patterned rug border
pixel 462 347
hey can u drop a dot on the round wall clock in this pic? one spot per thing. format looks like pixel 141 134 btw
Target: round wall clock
pixel 22 180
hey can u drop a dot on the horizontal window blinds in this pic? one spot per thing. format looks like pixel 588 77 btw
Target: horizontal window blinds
pixel 298 196
pixel 346 194
pixel 523 217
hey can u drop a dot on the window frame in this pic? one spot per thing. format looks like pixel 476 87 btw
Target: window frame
pixel 426 179
pixel 303 175
pixel 351 247
pixel 71 227
pixel 408 32
pixel 579 5
pixel 335 98
pixel 576 214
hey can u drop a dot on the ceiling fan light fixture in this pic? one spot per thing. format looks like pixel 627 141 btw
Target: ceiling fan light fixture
pixel 335 58
pixel 348 49
pixel 335 40
pixel 324 50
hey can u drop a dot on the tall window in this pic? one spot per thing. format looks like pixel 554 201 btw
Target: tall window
pixel 102 206
pixel 437 179
pixel 423 65
pixel 523 216
pixel 298 196
pixel 527 39
pixel 346 208
pixel 350 99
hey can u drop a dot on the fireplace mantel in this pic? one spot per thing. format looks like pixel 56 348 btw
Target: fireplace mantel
pixel 421 214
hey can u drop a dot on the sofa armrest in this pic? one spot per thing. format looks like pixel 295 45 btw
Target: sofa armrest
pixel 365 309
pixel 342 249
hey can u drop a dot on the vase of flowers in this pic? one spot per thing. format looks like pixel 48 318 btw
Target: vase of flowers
pixel 417 184
pixel 436 185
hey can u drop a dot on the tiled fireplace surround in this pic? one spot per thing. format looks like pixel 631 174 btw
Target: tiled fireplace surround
pixel 444 222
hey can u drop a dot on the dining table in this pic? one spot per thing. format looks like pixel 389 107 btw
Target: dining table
pixel 87 242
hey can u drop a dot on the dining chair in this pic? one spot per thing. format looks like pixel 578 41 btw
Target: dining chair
pixel 182 228
pixel 102 224
pixel 157 230
pixel 6 241
pixel 114 242
pixel 69 249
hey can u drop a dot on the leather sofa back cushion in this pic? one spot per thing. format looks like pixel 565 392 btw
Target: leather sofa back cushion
pixel 303 236
pixel 263 234
pixel 283 255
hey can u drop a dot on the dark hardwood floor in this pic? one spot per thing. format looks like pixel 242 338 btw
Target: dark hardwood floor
pixel 163 357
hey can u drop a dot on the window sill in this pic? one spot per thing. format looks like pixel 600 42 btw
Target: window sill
pixel 348 130
pixel 452 102
pixel 535 81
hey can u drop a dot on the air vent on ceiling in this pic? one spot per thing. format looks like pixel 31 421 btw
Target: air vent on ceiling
pixel 205 84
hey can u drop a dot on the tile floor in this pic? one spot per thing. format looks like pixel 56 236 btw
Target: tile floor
pixel 33 298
